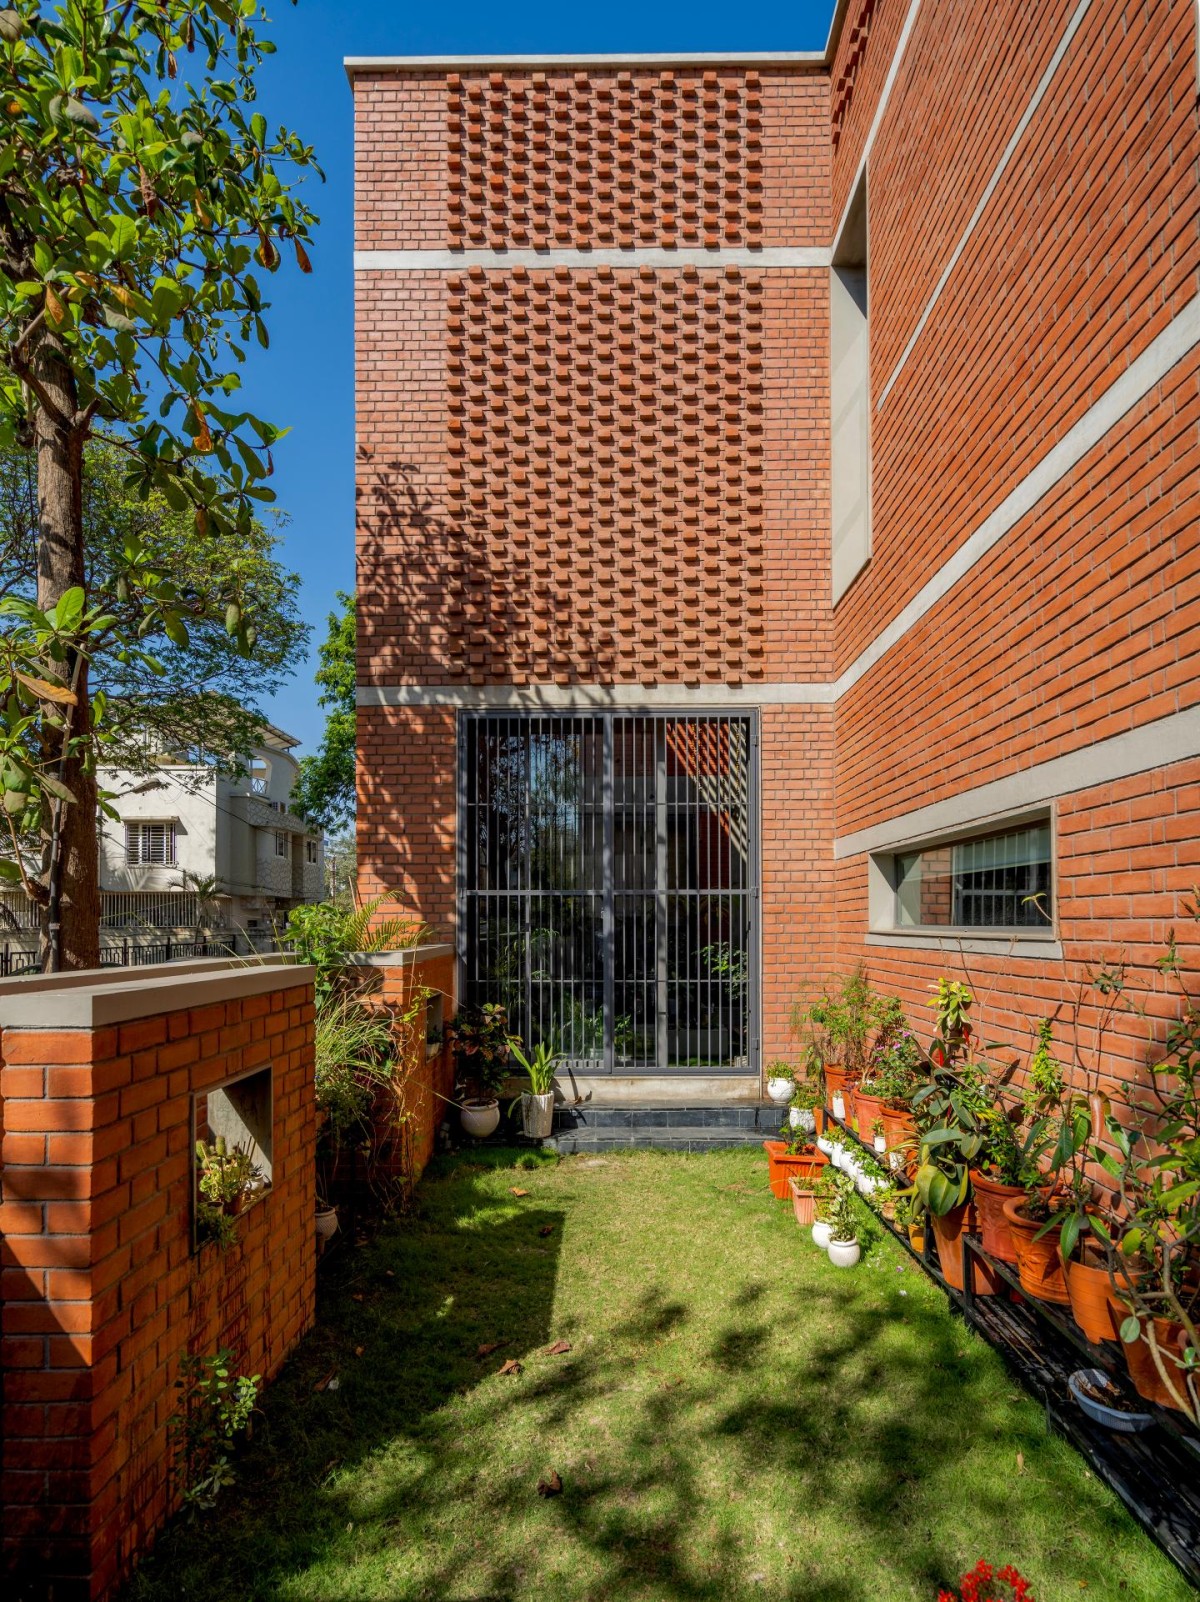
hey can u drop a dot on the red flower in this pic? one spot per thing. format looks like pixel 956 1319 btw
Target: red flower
pixel 987 1584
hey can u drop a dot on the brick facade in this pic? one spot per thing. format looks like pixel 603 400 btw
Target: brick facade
pixel 577 472
pixel 102 1290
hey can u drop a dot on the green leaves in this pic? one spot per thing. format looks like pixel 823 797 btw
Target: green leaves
pixel 938 1191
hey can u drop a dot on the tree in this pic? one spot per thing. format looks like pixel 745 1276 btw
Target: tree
pixel 201 698
pixel 324 789
pixel 135 206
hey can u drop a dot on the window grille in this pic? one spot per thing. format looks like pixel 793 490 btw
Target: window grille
pixel 150 844
pixel 282 843
pixel 607 890
pixel 994 881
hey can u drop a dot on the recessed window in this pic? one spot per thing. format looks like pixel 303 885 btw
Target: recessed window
pixel 232 1145
pixel 850 398
pixel 150 844
pixel 283 843
pixel 310 851
pixel 989 881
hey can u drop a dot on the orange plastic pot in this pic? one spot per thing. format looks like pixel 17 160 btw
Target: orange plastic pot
pixel 1038 1262
pixel 866 1110
pixel 837 1080
pixel 804 1200
pixel 948 1231
pixel 990 1197
pixel 1090 1292
pixel 1143 1370
pixel 781 1167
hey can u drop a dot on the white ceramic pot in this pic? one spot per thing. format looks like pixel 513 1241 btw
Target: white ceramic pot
pixel 327 1222
pixel 781 1089
pixel 880 1144
pixel 825 1144
pixel 865 1185
pixel 838 1106
pixel 820 1234
pixel 480 1118
pixel 802 1118
pixel 844 1253
pixel 537 1115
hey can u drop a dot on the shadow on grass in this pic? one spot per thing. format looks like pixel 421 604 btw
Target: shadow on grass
pixel 856 1431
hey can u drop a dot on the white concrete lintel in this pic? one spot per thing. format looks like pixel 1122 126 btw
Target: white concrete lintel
pixel 97 998
pixel 770 258
pixel 468 697
pixel 803 60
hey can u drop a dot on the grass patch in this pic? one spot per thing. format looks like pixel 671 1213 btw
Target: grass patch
pixel 735 1418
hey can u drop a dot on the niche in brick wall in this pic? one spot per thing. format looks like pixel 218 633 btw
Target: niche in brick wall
pixel 234 1124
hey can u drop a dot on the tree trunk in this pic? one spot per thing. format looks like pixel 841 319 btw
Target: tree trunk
pixel 70 923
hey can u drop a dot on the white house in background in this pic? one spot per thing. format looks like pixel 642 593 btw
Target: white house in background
pixel 185 822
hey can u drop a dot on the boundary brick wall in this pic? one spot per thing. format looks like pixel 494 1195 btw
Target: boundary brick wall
pixel 102 1293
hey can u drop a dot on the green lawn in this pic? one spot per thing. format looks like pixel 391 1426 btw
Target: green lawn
pixel 735 1418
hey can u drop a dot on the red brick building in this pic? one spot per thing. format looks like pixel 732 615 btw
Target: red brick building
pixel 777 489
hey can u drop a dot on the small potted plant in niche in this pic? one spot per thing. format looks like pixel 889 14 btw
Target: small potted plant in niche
pixel 225 1181
pixel 844 1250
pixel 781 1083
pixel 482 1045
pixel 537 1103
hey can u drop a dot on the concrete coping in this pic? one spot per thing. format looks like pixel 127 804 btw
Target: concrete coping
pixel 94 998
pixel 408 957
pixel 804 60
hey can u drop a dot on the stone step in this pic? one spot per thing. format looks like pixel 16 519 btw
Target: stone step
pixel 661 1137
pixel 760 1120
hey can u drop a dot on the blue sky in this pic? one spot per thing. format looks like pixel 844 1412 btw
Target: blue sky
pixel 305 380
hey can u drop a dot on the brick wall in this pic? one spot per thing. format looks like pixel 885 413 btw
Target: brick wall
pixel 620 476
pixel 102 1292
pixel 411 981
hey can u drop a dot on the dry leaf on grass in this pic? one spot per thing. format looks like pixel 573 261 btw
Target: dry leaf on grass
pixel 357 1296
pixel 488 1348
pixel 511 1367
pixel 517 1191
pixel 323 1383
pixel 1020 1462
pixel 551 1485
pixel 557 1349
pixel 359 1350
pixel 546 1229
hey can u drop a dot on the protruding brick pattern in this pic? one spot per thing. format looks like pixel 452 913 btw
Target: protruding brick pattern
pixel 102 1293
pixel 597 158
pixel 578 161
pixel 606 443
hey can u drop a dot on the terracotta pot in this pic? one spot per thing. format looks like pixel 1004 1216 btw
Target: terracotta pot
pixel 838 1079
pixel 948 1231
pixel 1090 1292
pixel 804 1201
pixel 781 1167
pixel 867 1109
pixel 1143 1371
pixel 819 1120
pixel 990 1197
pixel 1038 1261
pixel 916 1238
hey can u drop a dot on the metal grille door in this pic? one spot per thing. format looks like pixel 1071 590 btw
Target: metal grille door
pixel 608 885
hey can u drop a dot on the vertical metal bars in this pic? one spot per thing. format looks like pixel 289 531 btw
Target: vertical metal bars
pixel 607 878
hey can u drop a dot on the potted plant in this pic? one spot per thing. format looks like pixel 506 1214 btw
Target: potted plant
pixel 482 1046
pixel 537 1103
pixel 840 1024
pixel 908 1216
pixel 825 1190
pixel 803 1107
pixel 878 1138
pixel 327 1221
pixel 795 1154
pixel 804 1199
pixel 898 1069
pixel 226 1179
pixel 949 1109
pixel 781 1082
pixel 844 1250
pixel 1036 1224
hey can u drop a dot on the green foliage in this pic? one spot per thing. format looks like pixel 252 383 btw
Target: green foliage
pixel 482 1044
pixel 539 1068
pixel 141 206
pixel 898 1067
pixel 171 676
pixel 325 785
pixel 355 1059
pixel 224 1177
pixel 843 1210
pixel 840 1024
pixel 328 934
pixel 215 1410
